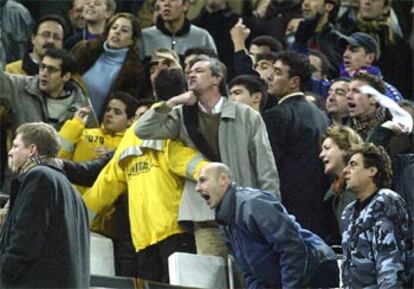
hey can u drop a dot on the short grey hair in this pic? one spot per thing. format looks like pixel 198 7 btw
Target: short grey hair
pixel 215 65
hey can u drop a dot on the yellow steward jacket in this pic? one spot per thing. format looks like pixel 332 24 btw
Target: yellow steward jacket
pixel 153 172
pixel 79 144
pixel 15 68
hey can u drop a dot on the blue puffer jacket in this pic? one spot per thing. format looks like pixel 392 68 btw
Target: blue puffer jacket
pixel 268 244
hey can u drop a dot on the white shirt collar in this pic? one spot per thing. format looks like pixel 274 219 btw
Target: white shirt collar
pixel 216 109
pixel 289 96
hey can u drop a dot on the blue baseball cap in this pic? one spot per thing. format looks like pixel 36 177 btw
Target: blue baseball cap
pixel 360 39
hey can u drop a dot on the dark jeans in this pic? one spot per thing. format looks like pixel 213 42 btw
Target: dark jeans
pixel 153 261
pixel 125 261
pixel 327 276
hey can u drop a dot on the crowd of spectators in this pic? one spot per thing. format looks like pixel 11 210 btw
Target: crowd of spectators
pixel 307 105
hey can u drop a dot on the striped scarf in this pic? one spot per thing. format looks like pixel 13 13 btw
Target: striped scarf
pixel 38 160
pixel 380 29
pixel 363 127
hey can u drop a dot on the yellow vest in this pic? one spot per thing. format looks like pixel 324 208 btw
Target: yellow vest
pixel 15 68
pixel 79 144
pixel 152 171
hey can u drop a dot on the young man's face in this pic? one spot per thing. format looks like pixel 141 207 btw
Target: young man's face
pixel 210 187
pixel 279 86
pixel 172 10
pixel 372 9
pixel 356 57
pixel 312 8
pixel 239 93
pixel 49 35
pixel 96 11
pixel 51 80
pixel 201 79
pixel 360 105
pixel 357 177
pixel 18 154
pixel 265 69
pixel 336 102
pixel 115 117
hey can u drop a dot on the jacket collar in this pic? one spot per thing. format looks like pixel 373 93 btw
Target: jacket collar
pixel 28 65
pixel 228 109
pixel 218 107
pixel 225 212
pixel 291 95
pixel 139 149
pixel 32 87
pixel 160 24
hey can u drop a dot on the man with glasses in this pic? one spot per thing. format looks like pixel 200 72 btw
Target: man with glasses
pixel 49 96
pixel 48 33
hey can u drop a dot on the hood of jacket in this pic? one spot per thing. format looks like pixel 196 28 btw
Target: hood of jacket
pixel 183 30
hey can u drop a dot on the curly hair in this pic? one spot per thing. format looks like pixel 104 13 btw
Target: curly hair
pixel 343 136
pixel 375 156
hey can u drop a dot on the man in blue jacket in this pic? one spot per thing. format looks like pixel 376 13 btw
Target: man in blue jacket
pixel 267 243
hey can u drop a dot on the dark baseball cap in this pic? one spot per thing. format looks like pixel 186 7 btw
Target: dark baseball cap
pixel 360 39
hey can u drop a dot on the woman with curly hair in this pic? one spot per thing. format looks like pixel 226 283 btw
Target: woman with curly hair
pixel 336 141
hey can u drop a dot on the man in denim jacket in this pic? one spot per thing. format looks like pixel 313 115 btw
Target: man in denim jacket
pixel 271 248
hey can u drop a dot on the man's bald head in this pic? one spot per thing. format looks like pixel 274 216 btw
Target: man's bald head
pixel 217 169
pixel 214 180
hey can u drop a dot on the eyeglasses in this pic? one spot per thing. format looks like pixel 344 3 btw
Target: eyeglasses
pixel 50 69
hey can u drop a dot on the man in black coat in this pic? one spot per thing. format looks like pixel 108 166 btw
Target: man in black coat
pixel 295 127
pixel 44 241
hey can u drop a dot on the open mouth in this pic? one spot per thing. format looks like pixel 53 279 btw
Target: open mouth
pixel 205 197
pixel 351 105
pixel 90 12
